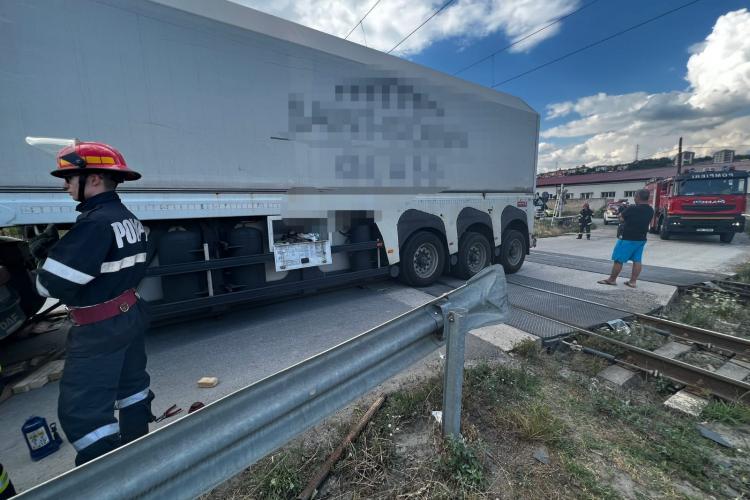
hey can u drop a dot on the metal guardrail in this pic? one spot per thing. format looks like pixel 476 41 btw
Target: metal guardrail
pixel 200 451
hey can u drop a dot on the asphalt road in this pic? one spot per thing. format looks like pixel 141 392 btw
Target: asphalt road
pixel 249 344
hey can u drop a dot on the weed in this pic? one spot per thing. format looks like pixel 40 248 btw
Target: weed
pixel 277 477
pixel 713 310
pixel 528 349
pixel 461 466
pixel 535 422
pixel 743 271
pixel 548 227
pixel 586 479
pixel 728 413
pixel 672 443
pixel 498 384
pixel 587 364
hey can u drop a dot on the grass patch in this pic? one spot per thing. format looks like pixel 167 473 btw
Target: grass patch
pixel 278 476
pixel 461 465
pixel 601 444
pixel 548 228
pixel 500 384
pixel 587 364
pixel 586 480
pixel 720 311
pixel 536 422
pixel 528 349
pixel 728 413
pixel 743 271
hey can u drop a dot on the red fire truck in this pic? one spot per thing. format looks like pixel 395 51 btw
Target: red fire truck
pixel 706 202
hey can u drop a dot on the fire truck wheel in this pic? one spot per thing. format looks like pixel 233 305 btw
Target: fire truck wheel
pixel 726 237
pixel 663 231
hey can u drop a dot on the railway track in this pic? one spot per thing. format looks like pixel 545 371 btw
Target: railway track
pixel 734 350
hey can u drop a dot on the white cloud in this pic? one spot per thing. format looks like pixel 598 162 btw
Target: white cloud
pixel 720 73
pixel 392 20
pixel 713 111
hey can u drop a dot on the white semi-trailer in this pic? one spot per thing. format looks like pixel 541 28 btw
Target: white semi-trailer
pixel 250 131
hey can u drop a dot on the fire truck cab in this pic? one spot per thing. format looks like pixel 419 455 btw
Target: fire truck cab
pixel 706 202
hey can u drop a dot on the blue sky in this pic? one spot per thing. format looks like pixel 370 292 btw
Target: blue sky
pixel 686 74
pixel 651 58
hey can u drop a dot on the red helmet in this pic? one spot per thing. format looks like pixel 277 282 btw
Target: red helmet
pixel 92 157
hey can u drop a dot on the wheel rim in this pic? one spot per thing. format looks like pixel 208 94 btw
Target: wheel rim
pixel 425 260
pixel 515 252
pixel 477 258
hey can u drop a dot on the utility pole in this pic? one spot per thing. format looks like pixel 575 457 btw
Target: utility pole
pixel 679 157
pixel 637 147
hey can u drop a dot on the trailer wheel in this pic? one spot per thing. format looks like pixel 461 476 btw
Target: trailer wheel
pixel 726 237
pixel 422 259
pixel 512 251
pixel 474 254
pixel 663 231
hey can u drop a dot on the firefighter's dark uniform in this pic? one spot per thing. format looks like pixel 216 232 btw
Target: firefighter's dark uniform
pixel 584 222
pixel 102 256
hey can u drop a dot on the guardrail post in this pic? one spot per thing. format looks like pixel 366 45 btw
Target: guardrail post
pixel 453 375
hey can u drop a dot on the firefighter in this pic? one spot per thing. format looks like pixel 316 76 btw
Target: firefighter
pixel 584 221
pixel 94 269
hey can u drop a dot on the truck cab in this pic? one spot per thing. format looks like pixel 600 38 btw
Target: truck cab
pixel 706 202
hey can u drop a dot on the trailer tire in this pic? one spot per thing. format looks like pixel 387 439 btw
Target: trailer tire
pixel 726 237
pixel 422 259
pixel 474 254
pixel 663 231
pixel 512 250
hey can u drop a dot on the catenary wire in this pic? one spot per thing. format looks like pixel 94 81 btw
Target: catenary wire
pixel 526 37
pixel 360 21
pixel 598 42
pixel 445 5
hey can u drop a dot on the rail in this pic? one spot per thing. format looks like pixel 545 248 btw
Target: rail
pixel 724 387
pixel 198 452
pixel 736 345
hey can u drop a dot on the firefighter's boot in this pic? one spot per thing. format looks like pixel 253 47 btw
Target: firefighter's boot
pixel 579 236
pixel 6 486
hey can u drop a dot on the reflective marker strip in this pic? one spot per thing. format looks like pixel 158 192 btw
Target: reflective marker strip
pixel 131 400
pixel 66 272
pixel 114 266
pixel 4 481
pixel 41 289
pixel 94 436
pixel 99 160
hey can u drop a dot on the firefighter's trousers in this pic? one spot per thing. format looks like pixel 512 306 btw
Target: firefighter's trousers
pixel 105 370
pixel 583 226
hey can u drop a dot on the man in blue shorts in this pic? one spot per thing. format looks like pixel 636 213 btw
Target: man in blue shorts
pixel 635 221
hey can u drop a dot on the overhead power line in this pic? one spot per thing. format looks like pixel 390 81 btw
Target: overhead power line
pixel 526 37
pixel 360 22
pixel 598 42
pixel 445 5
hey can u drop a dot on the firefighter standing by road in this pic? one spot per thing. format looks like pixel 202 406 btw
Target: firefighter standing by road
pixel 584 221
pixel 94 270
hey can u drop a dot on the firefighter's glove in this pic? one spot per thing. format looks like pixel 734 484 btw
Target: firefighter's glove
pixel 40 245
